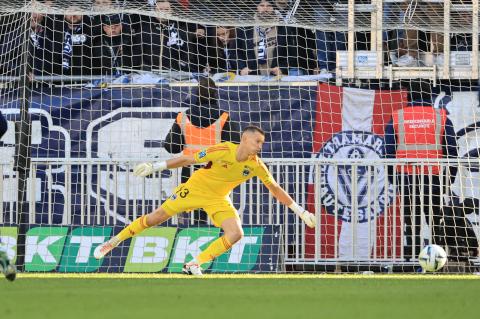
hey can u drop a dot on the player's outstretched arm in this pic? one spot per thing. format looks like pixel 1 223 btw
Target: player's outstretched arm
pixel 145 169
pixel 282 196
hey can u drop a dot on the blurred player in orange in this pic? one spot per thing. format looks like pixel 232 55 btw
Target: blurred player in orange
pixel 228 165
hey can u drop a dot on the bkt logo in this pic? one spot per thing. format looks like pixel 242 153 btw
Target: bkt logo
pixel 356 188
pixel 135 135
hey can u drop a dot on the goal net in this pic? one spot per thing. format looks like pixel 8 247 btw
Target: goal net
pixel 369 109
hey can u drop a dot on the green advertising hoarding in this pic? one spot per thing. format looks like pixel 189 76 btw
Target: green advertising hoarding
pixel 78 252
pixel 150 250
pixel 189 243
pixel 44 246
pixel 162 249
pixel 244 255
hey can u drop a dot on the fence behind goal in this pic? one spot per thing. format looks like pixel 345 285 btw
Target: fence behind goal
pixel 275 239
pixel 89 89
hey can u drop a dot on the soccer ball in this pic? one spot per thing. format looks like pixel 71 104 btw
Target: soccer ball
pixel 432 258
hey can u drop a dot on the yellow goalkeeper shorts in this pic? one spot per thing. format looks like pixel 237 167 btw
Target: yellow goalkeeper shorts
pixel 186 199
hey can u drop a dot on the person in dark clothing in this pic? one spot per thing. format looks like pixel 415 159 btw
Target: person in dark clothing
pixel 3 125
pixel 257 46
pixel 296 51
pixel 116 48
pixel 222 51
pixel 12 45
pixel 203 124
pixel 72 52
pixel 421 133
pixel 172 45
pixel 275 49
pixel 133 21
pixel 202 114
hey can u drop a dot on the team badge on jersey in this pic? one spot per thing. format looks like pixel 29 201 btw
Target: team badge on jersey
pixel 246 170
pixel 202 154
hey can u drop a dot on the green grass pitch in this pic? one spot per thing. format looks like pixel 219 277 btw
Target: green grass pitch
pixel 239 296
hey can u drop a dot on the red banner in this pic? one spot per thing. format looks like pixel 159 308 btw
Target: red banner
pixel 350 123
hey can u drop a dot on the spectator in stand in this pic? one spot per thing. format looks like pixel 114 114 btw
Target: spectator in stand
pixel 134 21
pixel 333 15
pixel 412 41
pixel 12 44
pixel 301 42
pixel 283 9
pixel 271 49
pixel 222 51
pixel 72 40
pixel 172 45
pixel 259 44
pixel 329 42
pixel 101 6
pixel 116 49
pixel 40 45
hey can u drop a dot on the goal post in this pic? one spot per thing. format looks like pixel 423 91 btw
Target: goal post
pixel 95 87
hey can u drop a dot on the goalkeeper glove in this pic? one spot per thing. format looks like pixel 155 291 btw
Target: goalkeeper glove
pixel 145 169
pixel 304 215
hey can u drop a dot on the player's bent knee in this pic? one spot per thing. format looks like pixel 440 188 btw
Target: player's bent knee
pixel 232 229
pixel 234 236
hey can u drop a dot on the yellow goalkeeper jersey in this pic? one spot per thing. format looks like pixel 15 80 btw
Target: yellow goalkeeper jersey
pixel 223 172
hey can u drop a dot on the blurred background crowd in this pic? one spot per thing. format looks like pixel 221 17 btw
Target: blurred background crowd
pixel 113 44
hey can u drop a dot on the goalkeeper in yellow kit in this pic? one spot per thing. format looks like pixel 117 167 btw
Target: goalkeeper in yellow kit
pixel 228 165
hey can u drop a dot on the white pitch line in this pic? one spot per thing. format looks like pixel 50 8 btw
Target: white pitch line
pixel 246 276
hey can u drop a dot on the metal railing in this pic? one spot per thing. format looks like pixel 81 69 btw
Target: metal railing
pixel 360 211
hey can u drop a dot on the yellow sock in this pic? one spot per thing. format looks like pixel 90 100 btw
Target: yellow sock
pixel 134 228
pixel 218 247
